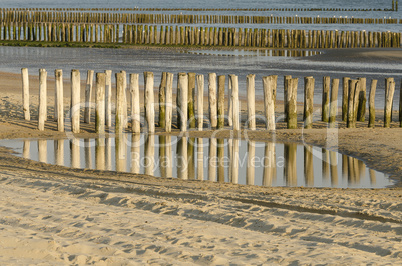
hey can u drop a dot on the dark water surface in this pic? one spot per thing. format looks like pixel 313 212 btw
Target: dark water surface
pixel 219 160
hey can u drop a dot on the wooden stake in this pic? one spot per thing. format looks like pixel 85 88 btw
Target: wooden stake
pixel 361 112
pixel 169 102
pixel 119 123
pixel 75 100
pixel 58 73
pixel 162 100
pixel 149 101
pixel 235 101
pixel 200 101
pixel 292 104
pixel 100 102
pixel 108 102
pixel 389 96
pixel 373 88
pixel 251 101
pixel 135 103
pixel 221 102
pixel 334 102
pixel 212 105
pixel 182 108
pixel 191 99
pixel 25 93
pixel 269 104
pixel 88 97
pixel 42 99
pixel 345 98
pixel 325 98
pixel 309 84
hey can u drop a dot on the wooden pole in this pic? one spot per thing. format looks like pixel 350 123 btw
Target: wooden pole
pixel 269 104
pixel 353 89
pixel 345 98
pixel 88 96
pixel 125 115
pixel 200 101
pixel 212 105
pixel 162 100
pixel 75 100
pixel 190 99
pixel 119 123
pixel 221 102
pixel 286 87
pixel 251 101
pixel 42 99
pixel 292 104
pixel 361 112
pixel 58 73
pixel 373 88
pixel 389 96
pixel 108 101
pixel 334 102
pixel 235 101
pixel 400 104
pixel 326 82
pixel 149 101
pixel 230 104
pixel 100 102
pixel 169 102
pixel 182 108
pixel 25 93
pixel 135 103
pixel 309 84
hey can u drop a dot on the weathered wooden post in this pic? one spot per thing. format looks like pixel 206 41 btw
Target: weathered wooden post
pixel 221 102
pixel 269 104
pixel 42 99
pixel 361 112
pixel 75 100
pixel 59 93
pixel 212 104
pixel 88 96
pixel 25 93
pixel 309 84
pixel 353 89
pixel 292 104
pixel 190 99
pixel 119 123
pixel 286 87
pixel 389 97
pixel 373 88
pixel 345 98
pixel 326 83
pixel 125 98
pixel 100 102
pixel 169 102
pixel 108 101
pixel 400 104
pixel 235 102
pixel 200 101
pixel 135 103
pixel 230 104
pixel 149 101
pixel 251 101
pixel 334 102
pixel 162 100
pixel 182 108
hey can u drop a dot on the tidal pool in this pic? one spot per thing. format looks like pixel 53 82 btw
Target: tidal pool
pixel 218 160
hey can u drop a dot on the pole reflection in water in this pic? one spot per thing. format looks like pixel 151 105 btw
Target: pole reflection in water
pixel 250 163
pixel 108 155
pixel 149 154
pixel 200 159
pixel 212 160
pixel 308 165
pixel 59 151
pixel 344 168
pixel 135 153
pixel 334 168
pixel 182 165
pixel 42 150
pixel 229 154
pixel 191 158
pixel 269 173
pixel 290 170
pixel 121 152
pixel 100 154
pixel 169 157
pixel 162 155
pixel 325 164
pixel 373 179
pixel 75 153
pixel 26 149
pixel 221 159
pixel 88 155
pixel 234 162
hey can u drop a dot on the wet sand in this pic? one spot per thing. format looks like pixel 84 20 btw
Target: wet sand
pixel 52 214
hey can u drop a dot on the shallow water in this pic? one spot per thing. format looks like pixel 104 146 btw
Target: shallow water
pixel 219 160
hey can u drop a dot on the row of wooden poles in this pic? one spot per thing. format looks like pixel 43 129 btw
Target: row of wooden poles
pixel 190 101
pixel 394 7
pixel 85 17
pixel 208 36
pixel 195 162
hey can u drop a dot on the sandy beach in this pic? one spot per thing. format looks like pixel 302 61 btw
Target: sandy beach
pixel 57 215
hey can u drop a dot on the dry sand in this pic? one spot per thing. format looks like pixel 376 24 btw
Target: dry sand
pixel 56 215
